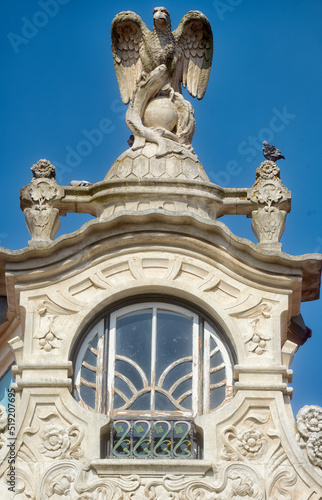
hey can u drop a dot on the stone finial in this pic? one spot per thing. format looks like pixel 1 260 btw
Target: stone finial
pixel 270 195
pixel 43 169
pixel 42 218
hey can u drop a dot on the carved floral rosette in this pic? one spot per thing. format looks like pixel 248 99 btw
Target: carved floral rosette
pixel 309 424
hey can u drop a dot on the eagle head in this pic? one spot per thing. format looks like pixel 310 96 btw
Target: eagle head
pixel 161 17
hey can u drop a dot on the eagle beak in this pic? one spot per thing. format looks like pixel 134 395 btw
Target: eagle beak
pixel 160 16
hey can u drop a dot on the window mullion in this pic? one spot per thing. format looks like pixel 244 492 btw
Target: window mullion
pixel 105 363
pixel 195 366
pixel 206 369
pixel 200 366
pixel 153 356
pixel 99 375
pixel 111 366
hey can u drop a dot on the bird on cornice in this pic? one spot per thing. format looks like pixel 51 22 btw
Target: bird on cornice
pixel 271 152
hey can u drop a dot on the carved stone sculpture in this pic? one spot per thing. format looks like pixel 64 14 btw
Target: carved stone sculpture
pixel 41 218
pixel 150 67
pixel 309 424
pixel 268 222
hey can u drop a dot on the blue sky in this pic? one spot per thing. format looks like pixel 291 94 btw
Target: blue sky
pixel 58 84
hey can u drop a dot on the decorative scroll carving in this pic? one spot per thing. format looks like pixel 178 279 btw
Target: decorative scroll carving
pixel 66 478
pixel 231 481
pixel 42 218
pixel 252 439
pixel 309 424
pixel 249 305
pixel 51 435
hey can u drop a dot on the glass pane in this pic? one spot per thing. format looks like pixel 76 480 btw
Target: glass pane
pixel 217 396
pixel 88 375
pixel 142 402
pixel 126 369
pixel 162 403
pixel 133 339
pixel 133 354
pixel 88 395
pixel 218 377
pixel 90 357
pixel 174 343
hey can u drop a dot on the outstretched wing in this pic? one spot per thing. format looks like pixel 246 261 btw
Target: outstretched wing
pixel 128 34
pixel 194 53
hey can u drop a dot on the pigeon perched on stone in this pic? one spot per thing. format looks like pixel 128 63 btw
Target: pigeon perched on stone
pixel 271 152
pixel 130 140
pixel 79 183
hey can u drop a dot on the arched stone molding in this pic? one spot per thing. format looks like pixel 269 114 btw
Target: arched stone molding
pixel 57 312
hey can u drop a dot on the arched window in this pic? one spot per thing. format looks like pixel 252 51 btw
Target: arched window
pixel 152 359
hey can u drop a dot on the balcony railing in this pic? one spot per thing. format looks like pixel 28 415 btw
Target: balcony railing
pixel 172 439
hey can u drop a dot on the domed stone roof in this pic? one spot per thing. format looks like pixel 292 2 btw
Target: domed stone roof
pixel 143 164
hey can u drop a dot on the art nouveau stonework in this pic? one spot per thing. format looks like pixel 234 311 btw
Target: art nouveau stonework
pixel 156 299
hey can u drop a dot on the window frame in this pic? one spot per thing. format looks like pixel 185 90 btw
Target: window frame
pixel 106 322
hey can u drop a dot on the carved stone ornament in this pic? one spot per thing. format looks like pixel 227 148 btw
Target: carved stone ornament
pixel 255 440
pixel 3 417
pixel 268 188
pixel 3 425
pixel 43 169
pixel 309 424
pixel 67 479
pixel 50 337
pixel 257 341
pixel 268 192
pixel 150 67
pixel 52 436
pixel 42 218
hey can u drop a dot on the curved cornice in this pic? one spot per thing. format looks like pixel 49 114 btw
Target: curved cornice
pixel 191 231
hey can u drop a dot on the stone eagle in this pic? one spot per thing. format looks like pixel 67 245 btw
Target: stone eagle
pixel 186 52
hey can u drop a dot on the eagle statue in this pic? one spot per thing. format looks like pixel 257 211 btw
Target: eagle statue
pixel 154 64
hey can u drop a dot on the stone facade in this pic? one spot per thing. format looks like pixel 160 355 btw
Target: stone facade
pixel 55 288
pixel 156 236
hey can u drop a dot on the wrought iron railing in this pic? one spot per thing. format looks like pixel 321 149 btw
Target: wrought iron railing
pixel 153 439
